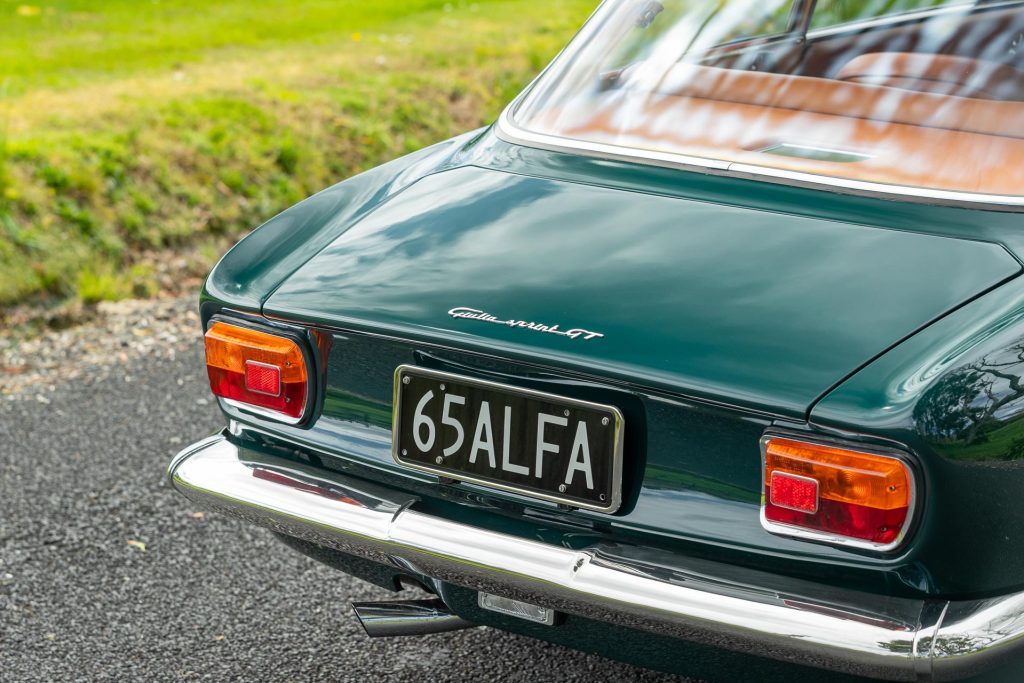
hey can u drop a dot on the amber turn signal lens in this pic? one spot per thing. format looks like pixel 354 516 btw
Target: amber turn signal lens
pixel 836 492
pixel 256 369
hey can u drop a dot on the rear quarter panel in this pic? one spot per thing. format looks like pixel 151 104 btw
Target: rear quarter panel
pixel 953 394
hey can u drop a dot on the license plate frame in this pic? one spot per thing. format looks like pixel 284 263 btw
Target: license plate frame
pixel 583 411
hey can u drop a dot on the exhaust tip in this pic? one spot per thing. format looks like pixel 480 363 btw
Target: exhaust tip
pixel 407 618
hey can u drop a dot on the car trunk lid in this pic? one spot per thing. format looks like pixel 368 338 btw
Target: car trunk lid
pixel 759 310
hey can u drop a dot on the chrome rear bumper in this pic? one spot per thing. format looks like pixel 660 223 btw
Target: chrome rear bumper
pixel 709 603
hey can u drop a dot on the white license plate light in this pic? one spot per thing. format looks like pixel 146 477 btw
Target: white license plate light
pixel 517 608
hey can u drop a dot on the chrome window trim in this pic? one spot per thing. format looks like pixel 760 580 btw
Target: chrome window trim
pixel 618 437
pixel 824 536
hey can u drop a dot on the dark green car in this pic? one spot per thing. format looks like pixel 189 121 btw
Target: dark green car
pixel 708 355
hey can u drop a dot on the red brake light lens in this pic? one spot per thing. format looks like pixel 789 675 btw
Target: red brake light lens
pixel 835 494
pixel 257 369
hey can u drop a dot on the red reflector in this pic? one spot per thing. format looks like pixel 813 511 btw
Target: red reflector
pixel 262 378
pixel 794 492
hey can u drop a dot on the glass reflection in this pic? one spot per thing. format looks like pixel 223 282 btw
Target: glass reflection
pixel 914 93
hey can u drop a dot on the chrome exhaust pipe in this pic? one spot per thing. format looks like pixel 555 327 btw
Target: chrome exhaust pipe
pixel 407 618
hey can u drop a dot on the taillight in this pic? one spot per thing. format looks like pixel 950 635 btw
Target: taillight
pixel 257 369
pixel 835 494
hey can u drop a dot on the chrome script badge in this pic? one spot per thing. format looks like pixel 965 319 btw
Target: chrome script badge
pixel 475 314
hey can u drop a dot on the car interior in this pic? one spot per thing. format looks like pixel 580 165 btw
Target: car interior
pixel 932 99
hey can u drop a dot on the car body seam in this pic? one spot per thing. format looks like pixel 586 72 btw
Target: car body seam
pixel 969 300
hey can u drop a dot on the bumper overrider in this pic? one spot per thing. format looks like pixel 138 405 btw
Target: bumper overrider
pixel 752 612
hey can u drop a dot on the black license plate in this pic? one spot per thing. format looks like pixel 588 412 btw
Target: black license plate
pixel 529 442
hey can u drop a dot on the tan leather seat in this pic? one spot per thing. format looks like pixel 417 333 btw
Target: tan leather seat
pixel 942 74
pixel 884 104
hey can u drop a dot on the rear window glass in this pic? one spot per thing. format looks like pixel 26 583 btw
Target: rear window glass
pixel 920 96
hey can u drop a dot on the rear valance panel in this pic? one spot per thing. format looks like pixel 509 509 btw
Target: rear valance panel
pixel 748 308
pixel 688 470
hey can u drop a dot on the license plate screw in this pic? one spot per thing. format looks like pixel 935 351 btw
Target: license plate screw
pixel 439 460
pixel 561 488
pixel 605 421
pixel 405 380
pixel 565 412
pixel 602 496
pixel 442 387
pixel 405 451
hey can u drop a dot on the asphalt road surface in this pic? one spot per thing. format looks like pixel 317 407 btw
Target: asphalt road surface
pixel 107 574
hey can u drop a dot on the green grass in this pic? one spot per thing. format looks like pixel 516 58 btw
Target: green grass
pixel 133 130
pixel 1004 443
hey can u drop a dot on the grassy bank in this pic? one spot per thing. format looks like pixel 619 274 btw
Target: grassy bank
pixel 137 135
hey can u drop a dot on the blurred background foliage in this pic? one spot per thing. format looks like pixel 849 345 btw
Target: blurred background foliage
pixel 140 138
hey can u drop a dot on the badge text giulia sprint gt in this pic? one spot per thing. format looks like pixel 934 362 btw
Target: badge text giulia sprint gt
pixel 707 355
